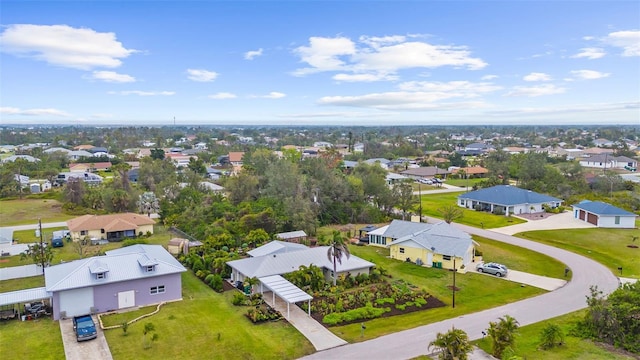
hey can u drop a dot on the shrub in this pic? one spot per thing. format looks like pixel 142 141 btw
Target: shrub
pixel 208 279
pixel 420 301
pixel 238 299
pixel 216 283
pixel 383 301
pixel 401 307
pixel 367 312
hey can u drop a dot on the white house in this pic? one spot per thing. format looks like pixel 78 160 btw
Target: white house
pixel 507 199
pixel 607 161
pixel 604 215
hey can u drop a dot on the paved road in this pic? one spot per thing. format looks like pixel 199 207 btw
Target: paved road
pixel 571 297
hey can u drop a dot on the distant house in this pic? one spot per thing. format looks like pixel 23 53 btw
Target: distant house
pixel 472 172
pixel 235 158
pixel 132 276
pixel 607 161
pixel 425 172
pixel 393 178
pixel 604 215
pixel 298 236
pixel 87 177
pixel 479 147
pixel 78 154
pixel 507 200
pixel 433 245
pixel 113 227
pixel 90 167
pixel 382 162
pixel 13 158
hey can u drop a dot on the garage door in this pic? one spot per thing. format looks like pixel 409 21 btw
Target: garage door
pixel 76 302
pixel 582 213
pixel 592 219
pixel 126 299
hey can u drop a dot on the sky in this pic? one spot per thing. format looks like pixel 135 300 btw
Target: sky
pixel 349 63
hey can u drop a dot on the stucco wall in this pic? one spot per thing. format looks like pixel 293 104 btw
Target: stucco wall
pixel 626 222
pixel 106 296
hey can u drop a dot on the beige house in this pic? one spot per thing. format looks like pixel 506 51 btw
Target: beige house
pixel 113 227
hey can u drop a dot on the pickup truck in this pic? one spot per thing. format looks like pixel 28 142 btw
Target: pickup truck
pixel 84 327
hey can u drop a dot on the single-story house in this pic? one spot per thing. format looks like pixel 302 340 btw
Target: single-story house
pixel 136 275
pixel 393 178
pixel 425 172
pixel 434 245
pixel 13 158
pixel 276 247
pixel 113 227
pixel 274 261
pixel 298 236
pixel 607 161
pixel 382 162
pixel 91 167
pixel 507 199
pixel 604 215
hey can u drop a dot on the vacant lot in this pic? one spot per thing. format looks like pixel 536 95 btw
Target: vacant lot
pixel 28 211
pixel 609 247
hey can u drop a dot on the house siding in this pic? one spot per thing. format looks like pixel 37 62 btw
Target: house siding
pixel 414 253
pixel 106 296
pixel 625 222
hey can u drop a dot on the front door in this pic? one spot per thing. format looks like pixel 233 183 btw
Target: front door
pixel 429 259
pixel 126 299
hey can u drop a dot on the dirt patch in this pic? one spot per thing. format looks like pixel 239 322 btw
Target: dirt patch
pixel 226 286
pixel 450 287
pixel 632 246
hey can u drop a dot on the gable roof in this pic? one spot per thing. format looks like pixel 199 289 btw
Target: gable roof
pixel 400 228
pixel 236 156
pixel 283 263
pixel 112 222
pixel 291 235
pixel 276 247
pixel 601 208
pixel 440 238
pixel 507 195
pixel 122 265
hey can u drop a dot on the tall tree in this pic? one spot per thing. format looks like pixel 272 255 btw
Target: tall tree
pixel 336 251
pixel 452 345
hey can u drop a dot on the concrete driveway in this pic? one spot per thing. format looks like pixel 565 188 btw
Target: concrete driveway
pixel 542 282
pixel 558 221
pixel 96 349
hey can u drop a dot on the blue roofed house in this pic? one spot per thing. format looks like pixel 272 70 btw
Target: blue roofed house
pixel 604 215
pixel 136 275
pixel 507 199
pixel 438 245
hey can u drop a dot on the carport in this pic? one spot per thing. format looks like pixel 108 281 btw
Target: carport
pixel 23 296
pixel 285 290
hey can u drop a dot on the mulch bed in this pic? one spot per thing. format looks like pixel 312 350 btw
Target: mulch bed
pixel 432 303
pixel 226 286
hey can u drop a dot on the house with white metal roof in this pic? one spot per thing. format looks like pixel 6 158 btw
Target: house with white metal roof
pixel 137 275
pixel 507 199
pixel 276 247
pixel 604 215
pixel 293 236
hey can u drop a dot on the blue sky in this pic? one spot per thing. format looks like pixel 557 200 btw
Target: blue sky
pixel 320 62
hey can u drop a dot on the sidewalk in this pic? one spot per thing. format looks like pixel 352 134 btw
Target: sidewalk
pixel 318 335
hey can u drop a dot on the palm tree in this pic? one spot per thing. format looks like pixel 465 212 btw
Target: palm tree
pixel 337 249
pixel 454 344
pixel 502 334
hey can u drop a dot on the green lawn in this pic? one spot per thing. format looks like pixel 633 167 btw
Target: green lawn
pixel 21 284
pixel 463 183
pixel 205 325
pixel 606 246
pixel 528 340
pixel 28 211
pixel 37 339
pixel 69 252
pixel 432 202
pixel 477 292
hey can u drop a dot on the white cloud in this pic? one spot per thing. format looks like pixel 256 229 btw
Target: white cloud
pixel 536 76
pixel 364 77
pixel 112 76
pixel 453 88
pixel 142 93
pixel 628 40
pixel 271 95
pixel 33 112
pixel 201 75
pixel 489 77
pixel 222 96
pixel 62 45
pixel 380 55
pixel 589 74
pixel 590 53
pixel 568 109
pixel 250 55
pixel 401 100
pixel 533 91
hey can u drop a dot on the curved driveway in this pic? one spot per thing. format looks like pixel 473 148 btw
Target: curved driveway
pixel 414 342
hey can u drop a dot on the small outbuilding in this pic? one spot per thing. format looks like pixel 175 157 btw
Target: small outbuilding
pixel 604 215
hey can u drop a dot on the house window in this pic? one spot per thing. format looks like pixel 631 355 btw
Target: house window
pixel 617 220
pixel 99 276
pixel 401 250
pixel 446 257
pixel 101 231
pixel 150 268
pixel 157 290
pixel 83 232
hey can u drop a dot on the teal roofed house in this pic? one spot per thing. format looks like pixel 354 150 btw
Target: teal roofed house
pixel 507 199
pixel 604 215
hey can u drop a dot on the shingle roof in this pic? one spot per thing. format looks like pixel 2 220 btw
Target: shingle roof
pixel 601 208
pixel 112 222
pixel 276 247
pixel 507 195
pixel 283 263
pixel 440 238
pixel 122 264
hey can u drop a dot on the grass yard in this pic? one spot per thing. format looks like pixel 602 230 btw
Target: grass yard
pixel 463 183
pixel 37 339
pixel 477 292
pixel 606 246
pixel 21 284
pixel 528 340
pixel 205 325
pixel 69 251
pixel 27 211
pixel 432 202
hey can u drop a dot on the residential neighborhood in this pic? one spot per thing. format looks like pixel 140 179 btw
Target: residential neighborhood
pixel 140 243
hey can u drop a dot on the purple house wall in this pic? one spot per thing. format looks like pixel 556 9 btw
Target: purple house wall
pixel 105 297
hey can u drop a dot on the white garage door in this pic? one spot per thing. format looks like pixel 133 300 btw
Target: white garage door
pixel 77 301
pixel 126 299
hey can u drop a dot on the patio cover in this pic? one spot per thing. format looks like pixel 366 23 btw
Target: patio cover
pixel 23 296
pixel 285 290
